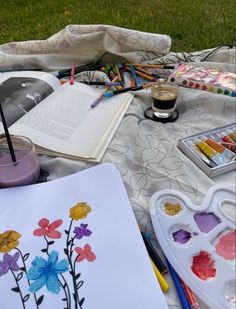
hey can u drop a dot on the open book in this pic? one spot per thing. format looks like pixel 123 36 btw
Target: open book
pixel 59 119
pixel 80 248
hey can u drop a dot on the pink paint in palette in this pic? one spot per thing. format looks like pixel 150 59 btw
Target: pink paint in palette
pixel 200 241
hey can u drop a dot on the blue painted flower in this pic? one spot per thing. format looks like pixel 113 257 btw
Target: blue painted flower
pixel 81 231
pixel 9 262
pixel 46 273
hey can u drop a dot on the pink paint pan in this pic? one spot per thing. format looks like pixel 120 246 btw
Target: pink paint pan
pixel 200 241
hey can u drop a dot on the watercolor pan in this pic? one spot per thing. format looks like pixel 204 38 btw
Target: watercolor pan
pixel 191 154
pixel 200 241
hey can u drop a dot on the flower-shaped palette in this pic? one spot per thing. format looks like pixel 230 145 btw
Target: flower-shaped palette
pixel 199 241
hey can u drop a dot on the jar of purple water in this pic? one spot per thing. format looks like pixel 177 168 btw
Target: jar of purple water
pixel 26 168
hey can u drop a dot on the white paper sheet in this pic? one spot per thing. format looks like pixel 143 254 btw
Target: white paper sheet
pixel 119 274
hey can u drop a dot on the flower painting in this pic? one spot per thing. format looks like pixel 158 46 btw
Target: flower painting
pixel 51 270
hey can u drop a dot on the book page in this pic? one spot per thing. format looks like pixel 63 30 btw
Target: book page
pixel 81 244
pixel 65 122
pixel 23 90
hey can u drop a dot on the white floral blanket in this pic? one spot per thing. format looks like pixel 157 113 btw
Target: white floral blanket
pixel 144 151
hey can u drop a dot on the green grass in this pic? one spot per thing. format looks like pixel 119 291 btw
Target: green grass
pixel 192 25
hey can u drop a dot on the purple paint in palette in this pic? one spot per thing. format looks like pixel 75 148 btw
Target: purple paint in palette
pixel 206 221
pixel 181 236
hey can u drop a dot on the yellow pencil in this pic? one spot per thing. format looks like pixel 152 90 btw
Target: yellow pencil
pixel 162 281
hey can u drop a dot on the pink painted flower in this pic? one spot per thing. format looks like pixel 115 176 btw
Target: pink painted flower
pixel 85 253
pixel 47 229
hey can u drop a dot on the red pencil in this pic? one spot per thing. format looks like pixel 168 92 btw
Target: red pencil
pixel 190 296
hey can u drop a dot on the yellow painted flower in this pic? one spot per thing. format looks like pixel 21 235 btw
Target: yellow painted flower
pixel 9 241
pixel 79 211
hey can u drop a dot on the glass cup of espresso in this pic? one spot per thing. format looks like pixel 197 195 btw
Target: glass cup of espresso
pixel 25 169
pixel 164 95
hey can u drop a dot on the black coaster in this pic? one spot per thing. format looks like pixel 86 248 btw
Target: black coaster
pixel 43 176
pixel 149 114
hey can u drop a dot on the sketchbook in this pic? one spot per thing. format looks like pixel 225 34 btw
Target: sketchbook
pixel 74 243
pixel 59 118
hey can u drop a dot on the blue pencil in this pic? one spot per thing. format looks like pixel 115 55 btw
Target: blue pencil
pixel 182 296
pixel 134 75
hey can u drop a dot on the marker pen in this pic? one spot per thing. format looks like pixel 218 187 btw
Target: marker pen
pixel 231 133
pixel 217 158
pixel 218 147
pixel 199 154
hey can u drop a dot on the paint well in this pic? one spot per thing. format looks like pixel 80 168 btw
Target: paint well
pixel 181 236
pixel 226 245
pixel 172 209
pixel 203 266
pixel 206 221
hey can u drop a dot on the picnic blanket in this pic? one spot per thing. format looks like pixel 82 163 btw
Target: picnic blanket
pixel 145 152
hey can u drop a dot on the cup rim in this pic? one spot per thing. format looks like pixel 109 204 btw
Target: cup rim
pixel 32 148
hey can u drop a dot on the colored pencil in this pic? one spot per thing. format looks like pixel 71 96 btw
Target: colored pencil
pixel 100 83
pixel 136 81
pixel 190 296
pixel 148 77
pixel 101 97
pixel 158 66
pixel 132 83
pixel 178 286
pixel 163 283
pixel 148 73
pixel 120 67
pixel 145 86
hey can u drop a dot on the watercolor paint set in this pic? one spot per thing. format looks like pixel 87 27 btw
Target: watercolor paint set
pixel 207 79
pixel 199 241
pixel 213 151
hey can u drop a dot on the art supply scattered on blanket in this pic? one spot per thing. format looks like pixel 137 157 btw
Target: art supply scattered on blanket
pixel 154 255
pixel 78 69
pixel 114 92
pixel 136 81
pixel 148 73
pixel 72 74
pixel 148 77
pixel 212 80
pixel 199 241
pixel 100 83
pixel 149 65
pixel 213 151
pixel 101 96
pixel 164 96
pixel 192 300
pixel 179 288
pixel 163 283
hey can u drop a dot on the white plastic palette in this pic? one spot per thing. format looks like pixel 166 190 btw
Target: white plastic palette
pixel 172 213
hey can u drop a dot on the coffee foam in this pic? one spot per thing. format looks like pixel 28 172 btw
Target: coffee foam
pixel 164 94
